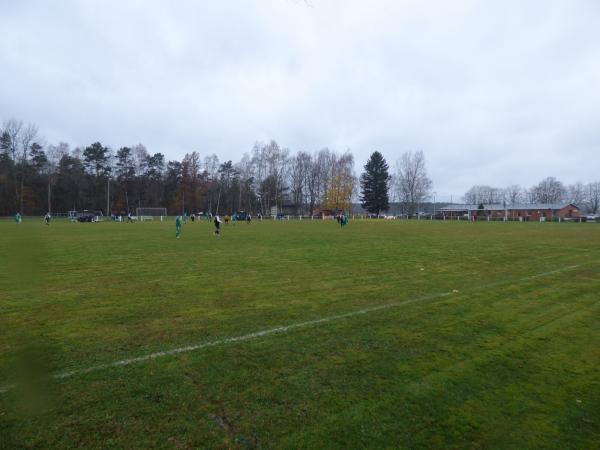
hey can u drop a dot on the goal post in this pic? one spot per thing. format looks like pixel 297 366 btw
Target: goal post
pixel 151 214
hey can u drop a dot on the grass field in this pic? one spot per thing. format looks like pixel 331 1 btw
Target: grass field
pixel 488 335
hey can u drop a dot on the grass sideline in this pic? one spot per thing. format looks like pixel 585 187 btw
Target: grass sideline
pixel 513 365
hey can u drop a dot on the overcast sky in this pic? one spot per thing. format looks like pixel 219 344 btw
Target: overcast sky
pixel 493 92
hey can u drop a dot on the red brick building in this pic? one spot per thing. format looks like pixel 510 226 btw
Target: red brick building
pixel 532 211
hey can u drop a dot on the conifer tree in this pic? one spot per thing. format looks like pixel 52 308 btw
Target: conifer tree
pixel 374 184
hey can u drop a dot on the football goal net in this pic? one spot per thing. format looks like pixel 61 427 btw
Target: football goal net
pixel 151 213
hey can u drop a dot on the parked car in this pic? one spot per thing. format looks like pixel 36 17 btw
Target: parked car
pixel 592 217
pixel 85 217
pixel 89 216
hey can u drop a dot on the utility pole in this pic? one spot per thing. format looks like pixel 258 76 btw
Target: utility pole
pixel 107 196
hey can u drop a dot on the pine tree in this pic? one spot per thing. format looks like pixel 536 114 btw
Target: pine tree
pixel 374 184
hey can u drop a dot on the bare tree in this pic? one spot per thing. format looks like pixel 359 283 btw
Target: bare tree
pixel 305 161
pixel 227 174
pixel 514 194
pixel 211 169
pixel 13 128
pixel 277 159
pixel 191 169
pixel 140 158
pixel 54 154
pixel 549 190
pixel 190 181
pixel 259 162
pixel 270 163
pixel 325 161
pixel 298 170
pixel 484 194
pixel 27 138
pixel 245 170
pixel 414 186
pixel 313 184
pixel 592 196
pixel 18 147
pixel 576 193
pixel 394 189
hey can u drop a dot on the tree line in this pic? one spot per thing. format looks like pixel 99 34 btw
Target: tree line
pixel 549 190
pixel 36 178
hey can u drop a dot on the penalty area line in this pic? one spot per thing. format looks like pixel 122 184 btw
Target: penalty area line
pixel 285 328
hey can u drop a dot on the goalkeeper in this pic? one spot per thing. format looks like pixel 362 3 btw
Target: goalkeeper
pixel 177 227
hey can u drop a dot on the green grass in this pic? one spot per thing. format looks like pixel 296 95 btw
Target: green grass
pixel 505 360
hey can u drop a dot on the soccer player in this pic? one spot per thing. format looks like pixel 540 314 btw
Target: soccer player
pixel 343 219
pixel 248 219
pixel 129 219
pixel 47 218
pixel 177 227
pixel 217 223
pixel 18 218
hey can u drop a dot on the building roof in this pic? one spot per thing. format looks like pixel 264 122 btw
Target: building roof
pixel 541 206
pixel 472 207
pixel 501 207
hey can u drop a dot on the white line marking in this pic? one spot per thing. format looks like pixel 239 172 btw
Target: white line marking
pixel 282 329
